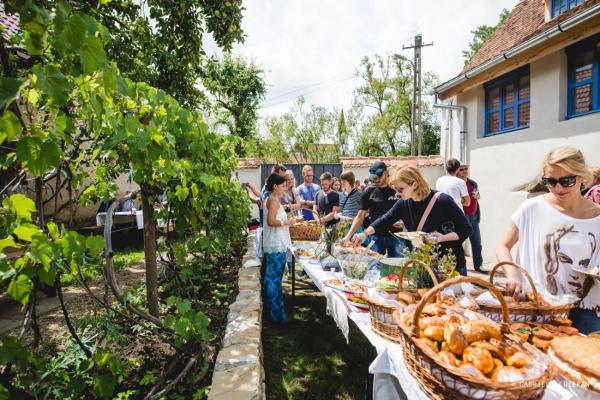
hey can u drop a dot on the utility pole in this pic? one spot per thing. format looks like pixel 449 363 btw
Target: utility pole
pixel 416 132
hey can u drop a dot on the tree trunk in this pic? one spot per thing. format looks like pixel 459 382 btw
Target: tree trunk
pixel 150 254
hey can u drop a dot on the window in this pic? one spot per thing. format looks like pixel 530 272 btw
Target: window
pixel 561 6
pixel 584 80
pixel 507 102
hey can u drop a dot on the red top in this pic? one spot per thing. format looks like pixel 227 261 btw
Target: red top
pixel 472 209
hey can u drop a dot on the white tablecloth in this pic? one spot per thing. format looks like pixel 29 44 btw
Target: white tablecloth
pixel 391 378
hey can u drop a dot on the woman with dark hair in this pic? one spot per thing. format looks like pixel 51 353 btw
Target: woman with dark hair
pixel 276 239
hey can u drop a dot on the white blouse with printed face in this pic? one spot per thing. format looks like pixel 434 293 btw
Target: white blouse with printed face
pixel 553 247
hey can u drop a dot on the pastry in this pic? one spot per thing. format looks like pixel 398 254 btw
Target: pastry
pixel 480 358
pixel 449 358
pixel 433 309
pixel 434 333
pixel 496 352
pixel 475 331
pixel 431 321
pixel 521 330
pixel 569 330
pixel 429 343
pixel 455 339
pixel 406 298
pixel 518 360
pixel 578 358
pixel 542 334
pixel 541 343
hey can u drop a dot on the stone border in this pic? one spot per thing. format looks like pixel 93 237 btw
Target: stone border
pixel 239 372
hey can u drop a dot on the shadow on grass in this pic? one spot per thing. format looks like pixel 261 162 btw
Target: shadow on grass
pixel 308 358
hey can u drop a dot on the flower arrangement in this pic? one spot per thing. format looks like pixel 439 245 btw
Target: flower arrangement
pixel 442 265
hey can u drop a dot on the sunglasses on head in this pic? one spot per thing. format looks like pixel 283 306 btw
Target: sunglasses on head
pixel 565 181
pixel 377 171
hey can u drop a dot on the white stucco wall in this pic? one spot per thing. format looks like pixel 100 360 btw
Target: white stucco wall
pixel 502 162
pixel 431 174
pixel 251 176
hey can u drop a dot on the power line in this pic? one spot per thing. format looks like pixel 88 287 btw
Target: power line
pixel 295 96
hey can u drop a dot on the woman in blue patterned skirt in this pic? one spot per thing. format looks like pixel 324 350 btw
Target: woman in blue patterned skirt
pixel 276 239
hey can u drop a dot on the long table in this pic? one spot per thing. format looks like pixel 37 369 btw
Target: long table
pixel 391 378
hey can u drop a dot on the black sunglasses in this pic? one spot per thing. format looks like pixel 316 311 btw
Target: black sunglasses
pixel 565 181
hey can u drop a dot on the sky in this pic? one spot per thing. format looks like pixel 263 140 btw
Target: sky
pixel 314 47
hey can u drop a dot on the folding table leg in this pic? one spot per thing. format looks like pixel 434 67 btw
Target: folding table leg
pixel 293 276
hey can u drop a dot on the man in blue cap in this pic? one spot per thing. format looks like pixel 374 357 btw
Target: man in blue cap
pixel 376 200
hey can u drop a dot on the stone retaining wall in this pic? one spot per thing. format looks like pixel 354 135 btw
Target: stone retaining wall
pixel 239 372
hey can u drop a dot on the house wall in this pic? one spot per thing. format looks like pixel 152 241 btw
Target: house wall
pixel 502 162
pixel 430 173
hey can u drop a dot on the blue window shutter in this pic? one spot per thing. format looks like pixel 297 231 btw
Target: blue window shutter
pixel 510 99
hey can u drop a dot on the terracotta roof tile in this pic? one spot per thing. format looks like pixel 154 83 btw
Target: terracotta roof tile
pixel 526 20
pixel 365 162
pixel 249 163
pixel 9 23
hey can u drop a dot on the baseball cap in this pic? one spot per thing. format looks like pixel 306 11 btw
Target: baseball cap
pixel 377 169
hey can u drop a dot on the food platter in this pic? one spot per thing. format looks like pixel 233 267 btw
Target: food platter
pixel 345 286
pixel 306 253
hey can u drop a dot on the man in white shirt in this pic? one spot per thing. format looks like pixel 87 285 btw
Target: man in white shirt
pixel 454 186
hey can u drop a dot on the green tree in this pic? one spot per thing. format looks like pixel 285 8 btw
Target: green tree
pixel 236 88
pixel 313 139
pixel 272 145
pixel 342 135
pixel 160 42
pixel 481 34
pixel 382 108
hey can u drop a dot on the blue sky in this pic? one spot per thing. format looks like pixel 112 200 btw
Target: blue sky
pixel 313 47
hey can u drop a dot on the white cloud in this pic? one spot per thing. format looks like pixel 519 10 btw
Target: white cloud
pixel 313 47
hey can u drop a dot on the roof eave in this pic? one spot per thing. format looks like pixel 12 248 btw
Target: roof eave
pixel 567 24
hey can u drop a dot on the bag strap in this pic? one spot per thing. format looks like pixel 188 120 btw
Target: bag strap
pixel 427 211
pixel 346 199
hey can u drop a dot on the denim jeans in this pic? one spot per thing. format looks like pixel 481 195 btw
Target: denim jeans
pixel 387 243
pixel 475 240
pixel 586 321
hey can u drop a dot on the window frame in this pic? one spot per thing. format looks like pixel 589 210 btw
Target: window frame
pixel 514 78
pixel 589 44
pixel 556 5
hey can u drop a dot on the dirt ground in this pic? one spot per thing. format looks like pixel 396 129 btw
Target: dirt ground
pixel 51 321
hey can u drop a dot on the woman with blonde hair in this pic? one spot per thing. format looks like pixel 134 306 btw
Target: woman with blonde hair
pixel 426 210
pixel 557 236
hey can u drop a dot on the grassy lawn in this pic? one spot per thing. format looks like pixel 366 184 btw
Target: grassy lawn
pixel 309 358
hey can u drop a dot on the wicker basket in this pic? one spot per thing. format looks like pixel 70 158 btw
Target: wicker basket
pixel 382 320
pixel 442 381
pixel 524 312
pixel 311 232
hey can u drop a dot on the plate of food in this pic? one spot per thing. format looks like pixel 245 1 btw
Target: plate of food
pixel 357 300
pixel 345 286
pixel 306 253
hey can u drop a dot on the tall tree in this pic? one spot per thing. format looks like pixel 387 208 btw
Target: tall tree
pixel 342 135
pixel 273 143
pixel 382 108
pixel 481 34
pixel 236 88
pixel 160 41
